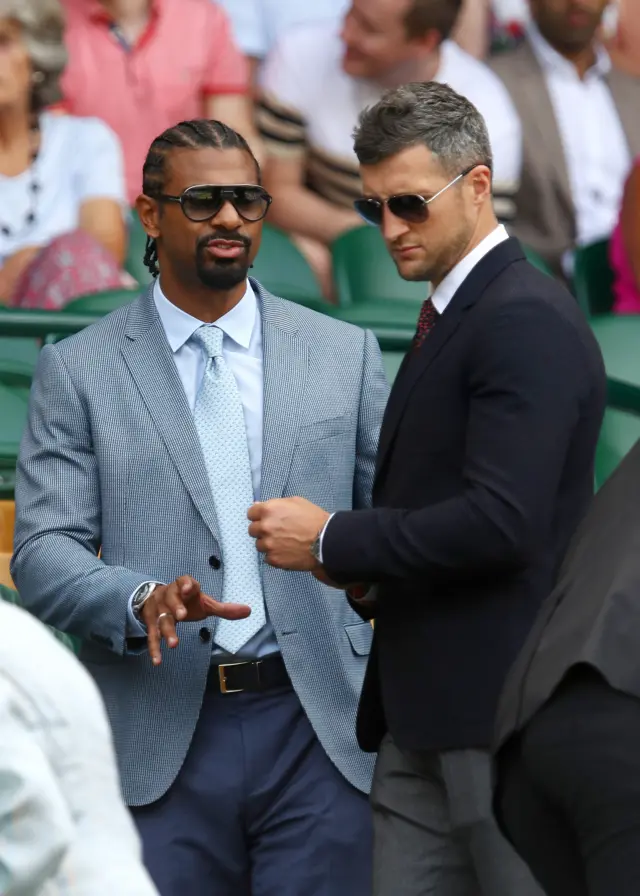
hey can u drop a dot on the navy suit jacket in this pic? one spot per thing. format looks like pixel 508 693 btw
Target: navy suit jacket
pixel 484 470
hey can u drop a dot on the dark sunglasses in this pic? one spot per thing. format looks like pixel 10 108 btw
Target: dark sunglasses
pixel 409 207
pixel 203 201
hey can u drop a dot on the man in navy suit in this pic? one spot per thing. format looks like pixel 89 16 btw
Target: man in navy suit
pixel 484 469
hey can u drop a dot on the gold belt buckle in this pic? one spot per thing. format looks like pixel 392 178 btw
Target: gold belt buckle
pixel 222 678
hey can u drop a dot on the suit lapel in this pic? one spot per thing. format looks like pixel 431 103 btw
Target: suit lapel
pixel 148 356
pixel 286 363
pixel 415 366
pixel 543 118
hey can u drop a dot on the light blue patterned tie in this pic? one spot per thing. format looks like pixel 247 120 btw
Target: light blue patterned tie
pixel 219 420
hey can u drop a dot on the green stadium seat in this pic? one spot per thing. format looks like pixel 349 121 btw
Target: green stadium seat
pixel 13 413
pixel 284 271
pixel 137 243
pixel 18 359
pixel 364 272
pixel 537 261
pixel 399 316
pixel 392 362
pixel 100 303
pixel 593 278
pixel 619 340
pixel 620 429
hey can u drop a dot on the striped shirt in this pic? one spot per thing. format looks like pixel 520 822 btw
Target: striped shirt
pixel 310 106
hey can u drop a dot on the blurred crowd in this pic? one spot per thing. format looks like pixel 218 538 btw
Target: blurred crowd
pixel 86 85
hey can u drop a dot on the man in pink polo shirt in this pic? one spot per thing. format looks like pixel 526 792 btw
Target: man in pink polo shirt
pixel 144 65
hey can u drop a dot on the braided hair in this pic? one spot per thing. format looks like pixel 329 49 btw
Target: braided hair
pixel 195 134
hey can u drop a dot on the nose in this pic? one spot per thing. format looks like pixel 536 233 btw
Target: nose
pixel 227 217
pixel 392 227
pixel 346 32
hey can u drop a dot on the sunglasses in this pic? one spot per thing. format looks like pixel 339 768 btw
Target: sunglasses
pixel 410 207
pixel 203 201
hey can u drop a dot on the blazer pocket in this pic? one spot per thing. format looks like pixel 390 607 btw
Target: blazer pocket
pixel 324 429
pixel 360 635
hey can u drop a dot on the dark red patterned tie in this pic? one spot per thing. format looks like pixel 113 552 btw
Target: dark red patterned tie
pixel 426 322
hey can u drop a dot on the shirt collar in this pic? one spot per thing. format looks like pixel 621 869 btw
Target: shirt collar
pixel 552 61
pixel 95 10
pixel 443 294
pixel 238 324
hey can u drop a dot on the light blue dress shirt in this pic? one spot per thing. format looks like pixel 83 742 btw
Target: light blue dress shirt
pixel 242 351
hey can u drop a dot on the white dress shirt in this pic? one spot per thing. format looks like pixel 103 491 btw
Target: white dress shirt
pixel 442 294
pixel 242 352
pixel 595 146
pixel 64 829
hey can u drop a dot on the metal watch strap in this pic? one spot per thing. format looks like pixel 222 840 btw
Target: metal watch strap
pixel 315 545
pixel 141 596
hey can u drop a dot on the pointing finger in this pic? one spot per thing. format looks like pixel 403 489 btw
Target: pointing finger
pixel 225 610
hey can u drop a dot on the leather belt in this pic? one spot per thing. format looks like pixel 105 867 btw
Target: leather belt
pixel 261 675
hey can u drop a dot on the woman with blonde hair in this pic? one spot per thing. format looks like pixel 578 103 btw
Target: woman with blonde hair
pixel 62 193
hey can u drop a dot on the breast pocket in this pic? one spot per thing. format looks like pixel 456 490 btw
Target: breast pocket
pixel 334 427
pixel 360 636
pixel 323 463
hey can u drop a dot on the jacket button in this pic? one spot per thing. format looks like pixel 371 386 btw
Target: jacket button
pixel 205 635
pixel 214 561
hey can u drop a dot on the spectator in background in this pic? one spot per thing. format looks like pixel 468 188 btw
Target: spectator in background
pixel 143 65
pixel 64 830
pixel 318 80
pixel 259 24
pixel 624 43
pixel 625 248
pixel 581 129
pixel 62 228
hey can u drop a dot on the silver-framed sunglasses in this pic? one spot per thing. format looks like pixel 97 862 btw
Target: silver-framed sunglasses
pixel 410 207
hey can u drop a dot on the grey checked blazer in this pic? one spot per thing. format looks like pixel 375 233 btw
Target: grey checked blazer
pixel 110 462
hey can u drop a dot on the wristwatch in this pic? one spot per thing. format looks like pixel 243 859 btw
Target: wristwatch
pixel 316 544
pixel 141 595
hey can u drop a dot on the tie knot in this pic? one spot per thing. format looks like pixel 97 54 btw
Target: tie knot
pixel 210 338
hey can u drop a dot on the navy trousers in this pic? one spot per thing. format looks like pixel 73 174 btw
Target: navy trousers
pixel 258 809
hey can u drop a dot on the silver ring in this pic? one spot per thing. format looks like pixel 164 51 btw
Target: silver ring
pixel 161 616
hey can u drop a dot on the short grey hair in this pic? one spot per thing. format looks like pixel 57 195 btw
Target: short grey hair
pixel 42 24
pixel 424 113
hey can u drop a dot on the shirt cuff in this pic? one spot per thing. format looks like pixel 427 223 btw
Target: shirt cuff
pixel 324 529
pixel 136 628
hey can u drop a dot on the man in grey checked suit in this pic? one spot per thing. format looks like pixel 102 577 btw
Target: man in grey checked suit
pixel 231 686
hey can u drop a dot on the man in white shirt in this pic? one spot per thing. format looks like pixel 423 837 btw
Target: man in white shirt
pixel 581 129
pixel 318 79
pixel 64 829
pixel 259 24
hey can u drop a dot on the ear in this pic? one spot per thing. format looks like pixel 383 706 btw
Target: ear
pixel 148 212
pixel 427 43
pixel 480 179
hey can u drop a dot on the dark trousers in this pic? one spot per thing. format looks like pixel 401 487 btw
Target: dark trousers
pixel 258 809
pixel 568 792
